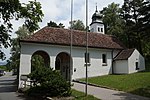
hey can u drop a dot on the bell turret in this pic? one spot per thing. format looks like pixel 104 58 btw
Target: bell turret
pixel 97 23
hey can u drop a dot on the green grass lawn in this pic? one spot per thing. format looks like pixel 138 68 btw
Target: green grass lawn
pixel 137 83
pixel 81 96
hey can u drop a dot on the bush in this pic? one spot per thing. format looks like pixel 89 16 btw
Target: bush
pixel 49 82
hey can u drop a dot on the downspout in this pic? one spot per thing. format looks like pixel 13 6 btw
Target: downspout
pixel 112 61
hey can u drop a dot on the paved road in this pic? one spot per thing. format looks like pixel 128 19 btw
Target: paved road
pixel 8 88
pixel 107 94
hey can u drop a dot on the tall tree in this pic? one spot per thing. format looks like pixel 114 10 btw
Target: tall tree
pixel 113 22
pixel 14 10
pixel 145 19
pixel 37 61
pixel 23 31
pixel 15 50
pixel 8 65
pixel 77 25
pixel 145 27
pixel 132 16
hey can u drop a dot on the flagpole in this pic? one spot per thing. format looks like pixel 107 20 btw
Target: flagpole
pixel 71 40
pixel 86 47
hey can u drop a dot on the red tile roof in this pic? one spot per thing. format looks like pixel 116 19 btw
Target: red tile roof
pixel 124 54
pixel 59 36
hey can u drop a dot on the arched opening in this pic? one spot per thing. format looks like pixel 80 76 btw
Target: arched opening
pixel 62 64
pixel 39 59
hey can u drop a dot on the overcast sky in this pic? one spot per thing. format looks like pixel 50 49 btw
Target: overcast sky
pixel 59 12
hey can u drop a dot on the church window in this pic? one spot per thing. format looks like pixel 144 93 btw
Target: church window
pixel 101 29
pixel 104 59
pixel 98 29
pixel 136 64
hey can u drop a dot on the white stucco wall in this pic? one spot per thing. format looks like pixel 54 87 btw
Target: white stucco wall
pixel 136 57
pixel 96 68
pixel 121 67
pixel 27 51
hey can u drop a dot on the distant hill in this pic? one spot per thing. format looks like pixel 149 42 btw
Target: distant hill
pixel 3 63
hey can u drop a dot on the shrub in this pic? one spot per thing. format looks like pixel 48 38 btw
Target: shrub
pixel 49 82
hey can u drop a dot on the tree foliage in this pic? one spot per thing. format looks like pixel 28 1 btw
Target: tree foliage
pixel 14 61
pixel 114 24
pixel 135 14
pixel 145 12
pixel 14 10
pixel 53 24
pixel 77 25
pixel 22 32
pixel 130 23
pixel 37 61
pixel 49 82
pixel 15 50
pixel 8 65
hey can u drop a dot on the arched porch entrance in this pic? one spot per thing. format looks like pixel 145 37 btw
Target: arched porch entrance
pixel 62 63
pixel 39 59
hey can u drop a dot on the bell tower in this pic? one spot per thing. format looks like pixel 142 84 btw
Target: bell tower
pixel 97 25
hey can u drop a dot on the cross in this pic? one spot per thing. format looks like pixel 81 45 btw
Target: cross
pixel 96 6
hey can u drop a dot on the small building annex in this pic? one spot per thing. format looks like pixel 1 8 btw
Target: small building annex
pixel 107 54
pixel 128 61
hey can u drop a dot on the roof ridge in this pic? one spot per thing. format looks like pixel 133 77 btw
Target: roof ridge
pixel 78 31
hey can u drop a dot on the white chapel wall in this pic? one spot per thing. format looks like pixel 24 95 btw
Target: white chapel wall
pixel 78 70
pixel 121 67
pixel 136 57
pixel 96 68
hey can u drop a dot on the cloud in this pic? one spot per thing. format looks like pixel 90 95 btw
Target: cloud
pixel 55 10
pixel 59 10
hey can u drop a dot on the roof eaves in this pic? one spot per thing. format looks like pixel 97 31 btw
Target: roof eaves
pixel 69 45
